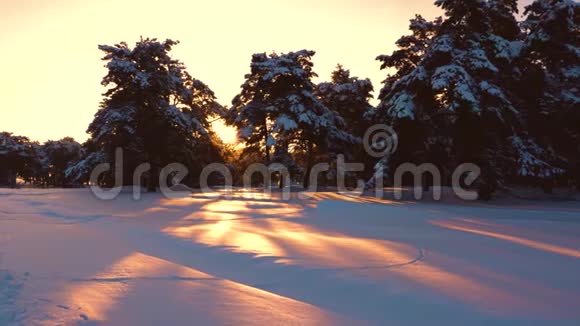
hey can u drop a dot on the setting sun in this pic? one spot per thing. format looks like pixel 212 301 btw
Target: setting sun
pixel 52 69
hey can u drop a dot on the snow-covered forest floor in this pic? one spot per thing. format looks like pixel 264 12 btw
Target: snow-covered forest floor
pixel 69 258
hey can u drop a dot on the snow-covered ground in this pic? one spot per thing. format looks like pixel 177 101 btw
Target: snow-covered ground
pixel 69 258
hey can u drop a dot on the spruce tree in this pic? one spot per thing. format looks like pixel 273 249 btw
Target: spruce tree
pixel 349 98
pixel 57 157
pixel 152 109
pixel 17 155
pixel 552 53
pixel 456 104
pixel 278 115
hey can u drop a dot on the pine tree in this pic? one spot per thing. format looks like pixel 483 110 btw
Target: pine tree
pixel 349 98
pixel 405 92
pixel 411 51
pixel 552 51
pixel 79 172
pixel 16 158
pixel 456 104
pixel 57 157
pixel 153 109
pixel 501 16
pixel 278 115
pixel 35 172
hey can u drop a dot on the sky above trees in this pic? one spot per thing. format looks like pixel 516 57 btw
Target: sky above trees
pixel 51 66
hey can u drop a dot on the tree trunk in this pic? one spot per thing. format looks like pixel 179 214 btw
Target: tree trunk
pixel 548 186
pixel 266 141
pixel 153 179
pixel 425 183
pixel 308 168
pixel 12 179
pixel 267 154
pixel 281 180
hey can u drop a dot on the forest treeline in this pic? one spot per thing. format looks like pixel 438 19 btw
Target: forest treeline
pixel 475 85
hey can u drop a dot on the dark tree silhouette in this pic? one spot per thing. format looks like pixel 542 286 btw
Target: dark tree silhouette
pixel 153 109
pixel 277 110
pixel 452 99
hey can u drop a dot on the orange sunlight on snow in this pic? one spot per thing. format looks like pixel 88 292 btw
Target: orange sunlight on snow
pixel 270 227
pixel 491 230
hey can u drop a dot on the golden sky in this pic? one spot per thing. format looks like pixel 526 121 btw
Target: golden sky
pixel 50 67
